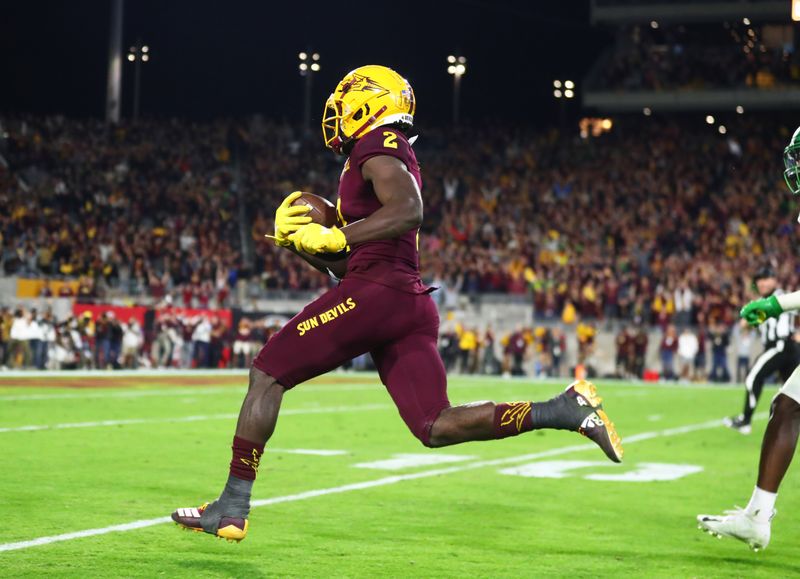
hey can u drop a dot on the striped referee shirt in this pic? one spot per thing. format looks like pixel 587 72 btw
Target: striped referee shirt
pixel 778 329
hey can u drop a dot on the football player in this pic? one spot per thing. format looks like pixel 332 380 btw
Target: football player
pixel 752 524
pixel 380 306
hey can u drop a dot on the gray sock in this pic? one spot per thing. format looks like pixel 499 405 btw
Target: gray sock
pixel 233 502
pixel 557 413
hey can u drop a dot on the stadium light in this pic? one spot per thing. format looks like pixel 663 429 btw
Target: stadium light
pixel 646 111
pixel 722 130
pixel 710 119
pixel 796 10
pixel 137 54
pixel 746 21
pixel 308 63
pixel 653 24
pixel 456 67
pixel 740 109
pixel 569 89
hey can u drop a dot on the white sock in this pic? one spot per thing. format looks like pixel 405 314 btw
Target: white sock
pixel 761 505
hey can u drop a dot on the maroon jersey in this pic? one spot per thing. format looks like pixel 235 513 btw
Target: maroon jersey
pixel 389 262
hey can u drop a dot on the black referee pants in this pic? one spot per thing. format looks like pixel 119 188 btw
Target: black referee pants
pixel 781 358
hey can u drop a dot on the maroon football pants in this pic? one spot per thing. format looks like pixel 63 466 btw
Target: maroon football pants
pixel 398 329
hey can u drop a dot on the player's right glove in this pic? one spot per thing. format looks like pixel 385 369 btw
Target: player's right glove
pixel 757 311
pixel 289 218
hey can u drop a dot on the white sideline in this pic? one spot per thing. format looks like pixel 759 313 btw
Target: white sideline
pixel 129 421
pixel 175 372
pixel 366 484
pixel 178 391
pixel 472 382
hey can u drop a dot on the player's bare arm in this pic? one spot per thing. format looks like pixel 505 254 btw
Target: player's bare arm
pixel 399 194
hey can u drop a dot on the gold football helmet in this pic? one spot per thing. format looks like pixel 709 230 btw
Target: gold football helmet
pixel 366 98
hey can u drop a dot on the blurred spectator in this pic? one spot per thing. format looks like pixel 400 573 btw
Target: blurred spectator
pixel 201 341
pixel 669 345
pixel 6 320
pixel 132 342
pixel 515 346
pixel 743 348
pixel 585 333
pixel 625 352
pixel 558 349
pixel 720 339
pixel 38 345
pixel 19 343
pixel 115 334
pixel 161 348
pixel 688 347
pixel 489 363
pixel 243 346
pixel 700 358
pixel 468 351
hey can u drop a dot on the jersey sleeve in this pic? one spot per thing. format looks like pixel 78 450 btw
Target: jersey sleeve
pixel 382 141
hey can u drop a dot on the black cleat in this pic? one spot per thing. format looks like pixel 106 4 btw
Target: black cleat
pixel 586 409
pixel 738 423
pixel 230 528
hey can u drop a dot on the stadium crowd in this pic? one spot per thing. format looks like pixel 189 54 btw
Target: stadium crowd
pixel 656 222
pixel 670 57
pixel 37 340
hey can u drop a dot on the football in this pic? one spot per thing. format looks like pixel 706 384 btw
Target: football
pixel 324 213
pixel 322 210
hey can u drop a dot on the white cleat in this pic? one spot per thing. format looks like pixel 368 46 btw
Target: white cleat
pixel 738 525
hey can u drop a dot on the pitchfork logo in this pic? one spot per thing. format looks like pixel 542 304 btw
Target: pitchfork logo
pixel 516 413
pixel 253 463
pixel 362 83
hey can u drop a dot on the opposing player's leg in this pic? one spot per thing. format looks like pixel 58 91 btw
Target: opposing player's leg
pixel 328 332
pixel 414 375
pixel 752 524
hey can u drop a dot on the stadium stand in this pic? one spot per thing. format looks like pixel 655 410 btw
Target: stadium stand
pixel 593 229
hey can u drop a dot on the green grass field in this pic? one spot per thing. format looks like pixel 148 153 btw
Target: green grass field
pixel 131 454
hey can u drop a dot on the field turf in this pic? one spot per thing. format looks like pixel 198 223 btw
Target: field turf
pixel 93 466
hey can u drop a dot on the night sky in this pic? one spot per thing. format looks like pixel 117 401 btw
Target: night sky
pixel 238 57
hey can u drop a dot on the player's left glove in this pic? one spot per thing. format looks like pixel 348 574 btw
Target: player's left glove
pixel 314 238
pixel 757 311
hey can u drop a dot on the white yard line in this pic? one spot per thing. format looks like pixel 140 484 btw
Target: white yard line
pixel 129 421
pixel 309 451
pixel 389 480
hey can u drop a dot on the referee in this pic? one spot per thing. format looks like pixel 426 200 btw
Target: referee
pixel 781 353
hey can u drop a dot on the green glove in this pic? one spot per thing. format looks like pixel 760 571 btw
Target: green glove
pixel 757 311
